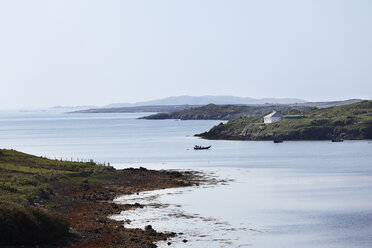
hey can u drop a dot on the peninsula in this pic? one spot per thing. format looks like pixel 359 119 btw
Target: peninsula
pixel 136 109
pixel 352 121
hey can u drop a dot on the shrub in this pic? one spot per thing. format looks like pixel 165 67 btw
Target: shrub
pixel 29 225
pixel 319 122
pixel 339 122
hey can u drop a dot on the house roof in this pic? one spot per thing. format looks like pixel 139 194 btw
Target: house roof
pixel 274 114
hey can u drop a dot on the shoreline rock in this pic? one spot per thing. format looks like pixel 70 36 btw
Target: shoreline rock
pixel 88 210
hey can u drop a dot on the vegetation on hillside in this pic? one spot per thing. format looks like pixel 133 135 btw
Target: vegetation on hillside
pixel 28 182
pixel 222 112
pixel 353 121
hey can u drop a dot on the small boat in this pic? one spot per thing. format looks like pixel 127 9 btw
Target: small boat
pixel 337 140
pixel 278 141
pixel 201 147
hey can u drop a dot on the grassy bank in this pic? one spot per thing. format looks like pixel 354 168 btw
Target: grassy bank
pixel 44 201
pixel 28 184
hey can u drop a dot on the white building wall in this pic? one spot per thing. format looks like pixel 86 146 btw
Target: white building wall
pixel 268 120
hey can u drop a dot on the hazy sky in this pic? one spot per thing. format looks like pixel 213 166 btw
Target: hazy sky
pixel 74 52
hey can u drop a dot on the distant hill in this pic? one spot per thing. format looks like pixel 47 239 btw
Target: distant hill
pixel 230 112
pixel 352 121
pixel 70 108
pixel 222 112
pixel 330 103
pixel 173 104
pixel 204 100
pixel 177 103
pixel 139 109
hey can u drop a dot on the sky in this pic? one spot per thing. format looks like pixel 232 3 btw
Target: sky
pixel 97 52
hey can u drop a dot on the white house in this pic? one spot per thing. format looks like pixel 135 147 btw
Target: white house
pixel 272 117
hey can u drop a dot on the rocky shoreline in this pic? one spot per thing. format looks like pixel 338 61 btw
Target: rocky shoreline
pixel 290 136
pixel 88 209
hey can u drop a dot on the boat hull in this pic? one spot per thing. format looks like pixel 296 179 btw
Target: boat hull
pixel 202 148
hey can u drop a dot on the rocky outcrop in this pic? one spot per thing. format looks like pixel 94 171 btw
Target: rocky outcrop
pixel 282 136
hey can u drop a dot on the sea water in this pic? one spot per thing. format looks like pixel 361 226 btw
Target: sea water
pixel 292 194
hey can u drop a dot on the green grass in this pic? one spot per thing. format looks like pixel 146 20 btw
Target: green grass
pixel 32 169
pixel 26 180
pixel 18 158
pixel 25 177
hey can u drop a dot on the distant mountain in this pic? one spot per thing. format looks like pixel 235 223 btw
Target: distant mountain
pixel 138 109
pixel 71 108
pixel 121 105
pixel 330 103
pixel 204 100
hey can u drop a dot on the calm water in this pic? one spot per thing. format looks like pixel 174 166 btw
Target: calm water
pixel 294 194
